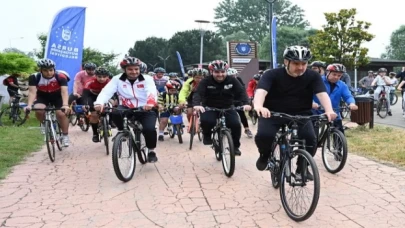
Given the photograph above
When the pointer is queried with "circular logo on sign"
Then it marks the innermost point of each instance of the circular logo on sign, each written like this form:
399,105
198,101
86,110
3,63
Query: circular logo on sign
243,48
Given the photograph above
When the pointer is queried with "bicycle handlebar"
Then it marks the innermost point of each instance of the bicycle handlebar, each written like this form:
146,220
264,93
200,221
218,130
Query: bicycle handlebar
321,117
223,109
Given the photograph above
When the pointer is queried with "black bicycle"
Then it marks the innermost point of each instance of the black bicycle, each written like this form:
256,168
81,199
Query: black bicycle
135,142
104,128
13,114
253,114
285,149
222,142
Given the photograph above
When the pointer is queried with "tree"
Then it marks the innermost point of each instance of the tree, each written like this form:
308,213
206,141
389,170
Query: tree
251,17
187,43
286,36
341,39
237,36
396,49
11,63
149,49
13,50
42,38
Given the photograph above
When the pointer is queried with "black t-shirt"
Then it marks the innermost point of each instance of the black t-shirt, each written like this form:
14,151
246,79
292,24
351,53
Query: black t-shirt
14,80
288,94
401,77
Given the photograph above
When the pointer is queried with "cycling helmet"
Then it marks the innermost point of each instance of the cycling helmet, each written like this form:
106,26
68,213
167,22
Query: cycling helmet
144,67
232,71
172,74
199,72
152,73
130,61
160,70
90,66
392,74
190,72
218,65
382,70
297,53
318,64
257,77
172,84
46,63
336,67
102,71
260,71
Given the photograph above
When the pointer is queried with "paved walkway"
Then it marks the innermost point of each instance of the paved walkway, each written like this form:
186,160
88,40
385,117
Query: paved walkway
188,189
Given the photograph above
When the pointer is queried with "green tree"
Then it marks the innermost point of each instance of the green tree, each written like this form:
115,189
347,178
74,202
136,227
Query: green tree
13,50
341,39
237,36
11,63
286,36
396,49
251,16
42,38
187,43
149,50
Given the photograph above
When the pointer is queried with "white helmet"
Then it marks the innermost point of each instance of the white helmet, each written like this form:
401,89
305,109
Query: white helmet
232,71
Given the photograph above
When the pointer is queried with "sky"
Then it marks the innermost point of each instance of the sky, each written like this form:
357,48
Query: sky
116,25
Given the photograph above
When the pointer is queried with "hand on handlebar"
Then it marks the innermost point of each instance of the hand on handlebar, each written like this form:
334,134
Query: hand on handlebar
263,112
199,109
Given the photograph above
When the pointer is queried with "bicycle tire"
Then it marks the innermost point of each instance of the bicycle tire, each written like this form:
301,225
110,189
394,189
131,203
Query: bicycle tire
344,152
86,123
254,118
216,145
395,99
276,176
179,133
3,113
116,154
170,128
58,135
317,187
142,157
23,120
48,140
106,135
73,119
382,102
229,171
192,132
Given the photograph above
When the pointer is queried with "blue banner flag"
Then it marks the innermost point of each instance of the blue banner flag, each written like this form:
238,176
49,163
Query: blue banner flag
65,41
181,64
273,41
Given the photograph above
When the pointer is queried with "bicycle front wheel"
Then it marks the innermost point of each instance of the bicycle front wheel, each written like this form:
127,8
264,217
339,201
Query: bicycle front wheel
192,132
334,150
382,108
298,179
50,140
140,141
58,135
227,153
106,134
394,99
179,133
126,170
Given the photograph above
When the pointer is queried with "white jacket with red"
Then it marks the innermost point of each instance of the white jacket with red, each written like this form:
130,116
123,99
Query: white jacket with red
142,92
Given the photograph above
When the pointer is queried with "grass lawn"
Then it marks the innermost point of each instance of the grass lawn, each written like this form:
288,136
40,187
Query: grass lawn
381,143
18,142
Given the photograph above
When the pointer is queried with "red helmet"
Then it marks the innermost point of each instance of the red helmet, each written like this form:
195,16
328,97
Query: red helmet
336,67
171,84
218,65
130,61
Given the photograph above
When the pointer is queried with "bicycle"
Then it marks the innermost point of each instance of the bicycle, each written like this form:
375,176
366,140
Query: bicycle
53,132
382,104
82,117
104,128
253,114
72,115
393,97
175,125
13,113
280,165
135,141
344,109
194,128
220,133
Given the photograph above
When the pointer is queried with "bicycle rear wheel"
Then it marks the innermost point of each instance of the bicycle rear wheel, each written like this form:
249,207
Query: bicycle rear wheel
106,135
50,140
336,146
192,132
296,181
179,132
382,108
117,153
85,123
140,141
58,134
394,99
227,153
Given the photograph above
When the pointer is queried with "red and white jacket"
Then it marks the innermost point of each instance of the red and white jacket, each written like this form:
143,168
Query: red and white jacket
142,92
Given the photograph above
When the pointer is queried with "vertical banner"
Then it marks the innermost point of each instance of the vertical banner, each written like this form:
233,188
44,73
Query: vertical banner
65,41
273,41
181,64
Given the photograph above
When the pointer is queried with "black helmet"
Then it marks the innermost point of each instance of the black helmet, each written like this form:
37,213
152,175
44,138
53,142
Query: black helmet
102,71
90,66
297,53
257,77
318,64
382,70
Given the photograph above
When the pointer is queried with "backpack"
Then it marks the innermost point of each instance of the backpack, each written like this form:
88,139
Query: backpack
38,77
5,81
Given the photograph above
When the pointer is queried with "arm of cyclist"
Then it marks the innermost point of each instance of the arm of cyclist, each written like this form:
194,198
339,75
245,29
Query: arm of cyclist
241,94
375,80
106,93
349,99
32,92
262,90
185,91
399,87
199,94
152,97
251,88
161,101
76,84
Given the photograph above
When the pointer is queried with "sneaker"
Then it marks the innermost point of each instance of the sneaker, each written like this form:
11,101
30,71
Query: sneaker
389,113
152,157
96,138
207,141
261,163
65,141
161,138
238,152
248,133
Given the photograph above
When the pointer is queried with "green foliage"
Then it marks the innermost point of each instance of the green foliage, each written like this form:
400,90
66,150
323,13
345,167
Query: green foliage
396,49
16,63
341,39
149,49
251,16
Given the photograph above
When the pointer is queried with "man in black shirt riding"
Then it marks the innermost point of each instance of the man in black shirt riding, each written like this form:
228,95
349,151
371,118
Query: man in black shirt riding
289,90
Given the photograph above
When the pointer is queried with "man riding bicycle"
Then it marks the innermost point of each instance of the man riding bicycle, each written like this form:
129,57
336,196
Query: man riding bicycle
134,90
289,90
49,88
160,79
91,90
168,101
80,79
220,91
383,83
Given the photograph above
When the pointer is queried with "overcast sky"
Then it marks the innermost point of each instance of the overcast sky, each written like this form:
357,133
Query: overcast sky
116,25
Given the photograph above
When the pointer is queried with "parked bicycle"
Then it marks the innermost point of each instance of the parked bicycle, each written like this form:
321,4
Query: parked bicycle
13,114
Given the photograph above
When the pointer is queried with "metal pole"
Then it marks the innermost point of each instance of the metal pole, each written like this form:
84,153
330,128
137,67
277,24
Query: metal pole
202,32
270,31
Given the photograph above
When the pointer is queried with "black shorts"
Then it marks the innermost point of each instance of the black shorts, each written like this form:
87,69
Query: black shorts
89,100
73,98
57,102
190,100
12,92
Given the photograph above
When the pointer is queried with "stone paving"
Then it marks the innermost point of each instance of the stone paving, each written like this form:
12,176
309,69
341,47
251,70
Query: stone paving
188,189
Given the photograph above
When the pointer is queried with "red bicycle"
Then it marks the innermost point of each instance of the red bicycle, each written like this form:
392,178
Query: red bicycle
194,128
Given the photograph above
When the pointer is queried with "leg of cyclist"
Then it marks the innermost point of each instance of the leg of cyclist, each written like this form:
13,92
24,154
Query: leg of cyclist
148,120
94,122
387,92
164,119
376,94
208,120
306,132
233,122
245,123
63,121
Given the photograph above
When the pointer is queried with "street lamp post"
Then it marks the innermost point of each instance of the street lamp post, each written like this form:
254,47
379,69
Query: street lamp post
16,38
271,2
201,24
356,59
164,60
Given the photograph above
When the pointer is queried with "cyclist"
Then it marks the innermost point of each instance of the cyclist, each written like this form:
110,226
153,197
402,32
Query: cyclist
167,101
319,67
173,76
80,79
220,91
383,82
394,83
365,82
289,90
134,90
160,79
90,92
189,88
337,90
12,85
234,73
49,87
252,86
